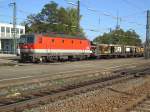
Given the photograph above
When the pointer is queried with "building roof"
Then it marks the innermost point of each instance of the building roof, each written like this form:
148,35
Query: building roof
11,25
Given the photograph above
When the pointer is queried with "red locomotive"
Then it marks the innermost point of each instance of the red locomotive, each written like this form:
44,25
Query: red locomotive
39,47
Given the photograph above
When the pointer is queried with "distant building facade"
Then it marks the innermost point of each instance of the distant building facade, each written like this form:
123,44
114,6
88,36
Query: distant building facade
6,36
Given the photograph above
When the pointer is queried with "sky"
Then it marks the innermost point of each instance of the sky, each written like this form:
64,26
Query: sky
97,15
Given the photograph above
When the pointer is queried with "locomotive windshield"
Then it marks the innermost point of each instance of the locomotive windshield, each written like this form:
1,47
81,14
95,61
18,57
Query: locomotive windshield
27,39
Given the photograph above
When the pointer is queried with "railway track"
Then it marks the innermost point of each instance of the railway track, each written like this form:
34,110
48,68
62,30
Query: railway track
32,79
54,81
46,96
18,84
142,106
41,96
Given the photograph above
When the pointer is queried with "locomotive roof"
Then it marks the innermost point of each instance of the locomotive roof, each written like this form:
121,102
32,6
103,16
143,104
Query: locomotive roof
61,36
64,36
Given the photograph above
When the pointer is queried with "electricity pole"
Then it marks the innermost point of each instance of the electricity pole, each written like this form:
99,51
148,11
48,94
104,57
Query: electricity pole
118,19
78,17
14,26
147,43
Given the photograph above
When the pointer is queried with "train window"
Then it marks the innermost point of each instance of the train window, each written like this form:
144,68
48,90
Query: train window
72,41
53,40
40,40
63,41
27,39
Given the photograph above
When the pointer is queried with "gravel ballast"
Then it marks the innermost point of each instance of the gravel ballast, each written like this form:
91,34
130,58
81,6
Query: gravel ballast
108,99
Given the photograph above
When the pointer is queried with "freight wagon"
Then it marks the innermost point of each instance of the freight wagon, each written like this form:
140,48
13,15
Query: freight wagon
116,51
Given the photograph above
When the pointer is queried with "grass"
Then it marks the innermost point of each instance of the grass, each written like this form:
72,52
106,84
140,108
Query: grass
7,64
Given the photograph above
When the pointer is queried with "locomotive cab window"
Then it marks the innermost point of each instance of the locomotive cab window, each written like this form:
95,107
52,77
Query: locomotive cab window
40,40
53,40
72,41
27,39
63,41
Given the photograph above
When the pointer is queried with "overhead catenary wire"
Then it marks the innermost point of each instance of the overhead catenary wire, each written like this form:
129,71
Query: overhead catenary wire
132,4
24,12
29,19
92,10
89,9
89,29
112,16
133,15
109,15
98,11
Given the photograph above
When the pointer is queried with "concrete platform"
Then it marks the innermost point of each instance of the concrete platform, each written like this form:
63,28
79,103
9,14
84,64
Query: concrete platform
7,55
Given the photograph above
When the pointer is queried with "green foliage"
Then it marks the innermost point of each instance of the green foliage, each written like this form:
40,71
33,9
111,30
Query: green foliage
53,19
119,37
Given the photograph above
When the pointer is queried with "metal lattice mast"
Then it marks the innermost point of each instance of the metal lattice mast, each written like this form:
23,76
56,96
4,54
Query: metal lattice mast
117,26
78,24
147,43
14,26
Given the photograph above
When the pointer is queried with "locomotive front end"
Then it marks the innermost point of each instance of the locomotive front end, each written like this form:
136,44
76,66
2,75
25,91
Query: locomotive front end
26,46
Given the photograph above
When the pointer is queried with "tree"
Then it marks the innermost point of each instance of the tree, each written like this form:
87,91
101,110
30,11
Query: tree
53,19
119,37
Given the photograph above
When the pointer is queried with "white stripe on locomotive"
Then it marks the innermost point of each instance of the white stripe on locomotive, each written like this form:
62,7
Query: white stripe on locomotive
54,51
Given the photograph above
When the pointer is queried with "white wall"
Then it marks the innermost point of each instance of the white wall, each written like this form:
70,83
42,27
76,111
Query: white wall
11,26
7,38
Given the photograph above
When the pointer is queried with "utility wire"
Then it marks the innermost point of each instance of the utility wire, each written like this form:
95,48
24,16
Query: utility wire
132,4
88,29
99,12
135,14
110,15
90,9
25,12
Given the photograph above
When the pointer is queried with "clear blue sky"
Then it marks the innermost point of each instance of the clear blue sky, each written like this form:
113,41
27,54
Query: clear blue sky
132,12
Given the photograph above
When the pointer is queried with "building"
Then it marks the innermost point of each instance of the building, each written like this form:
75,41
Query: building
6,36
